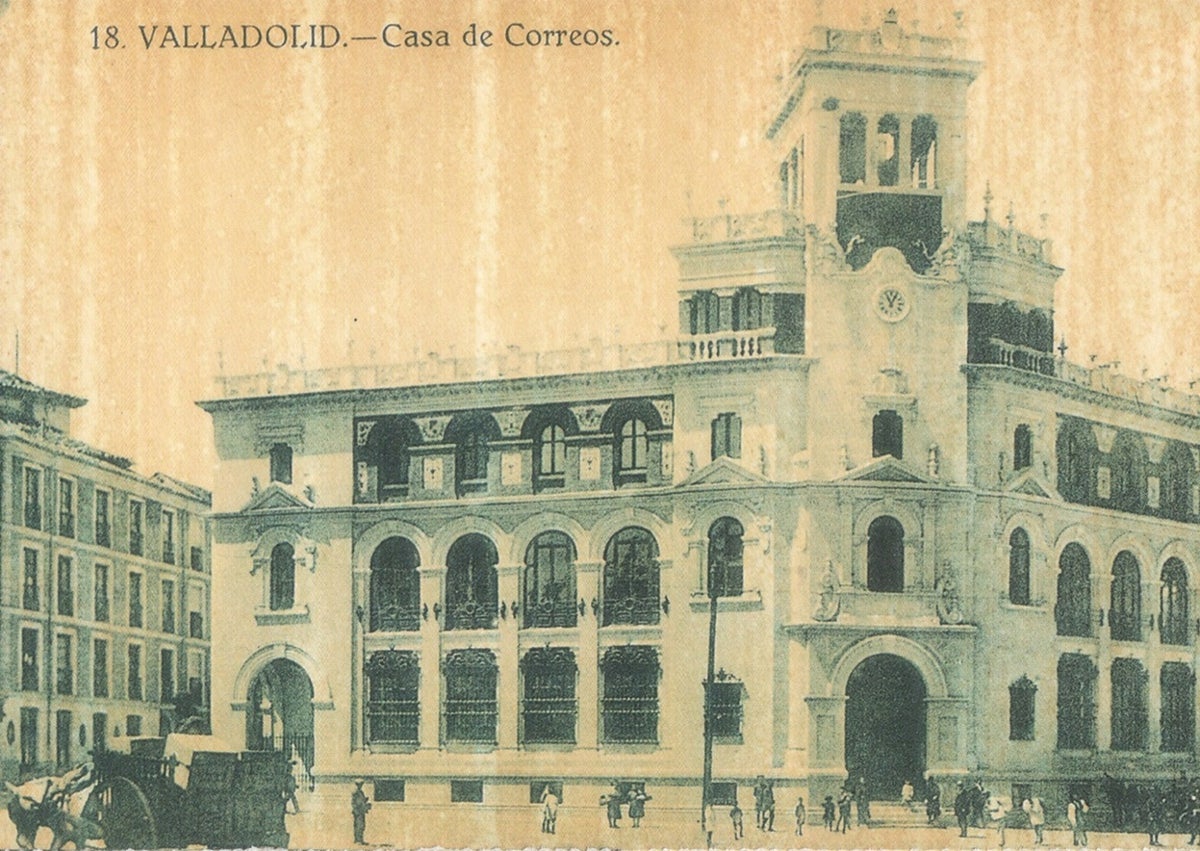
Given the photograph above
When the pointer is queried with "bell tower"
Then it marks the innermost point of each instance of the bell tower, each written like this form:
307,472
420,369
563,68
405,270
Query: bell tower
871,132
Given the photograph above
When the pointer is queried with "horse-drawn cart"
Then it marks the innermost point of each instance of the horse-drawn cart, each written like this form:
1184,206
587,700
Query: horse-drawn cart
197,794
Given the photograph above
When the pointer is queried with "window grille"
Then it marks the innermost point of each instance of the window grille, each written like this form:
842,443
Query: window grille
1018,568
725,553
472,590
1076,702
1021,702
630,694
550,581
549,707
395,587
1073,608
1125,610
393,706
470,706
725,697
631,578
1178,685
283,578
1130,730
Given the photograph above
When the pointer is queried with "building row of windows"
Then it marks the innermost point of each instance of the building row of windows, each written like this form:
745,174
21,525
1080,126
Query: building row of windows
61,663
1077,676
67,736
1123,477
1073,612
66,603
549,705
139,515
882,161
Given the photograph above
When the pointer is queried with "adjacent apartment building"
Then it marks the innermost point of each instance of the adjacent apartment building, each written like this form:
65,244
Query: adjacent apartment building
936,544
104,587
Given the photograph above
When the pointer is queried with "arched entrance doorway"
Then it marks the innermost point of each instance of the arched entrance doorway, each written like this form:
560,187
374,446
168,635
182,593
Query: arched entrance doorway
280,712
885,725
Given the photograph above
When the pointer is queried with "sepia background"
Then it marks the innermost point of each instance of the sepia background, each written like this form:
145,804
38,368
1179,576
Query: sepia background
168,214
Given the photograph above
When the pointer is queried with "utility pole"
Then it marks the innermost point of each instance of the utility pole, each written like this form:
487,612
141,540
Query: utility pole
706,782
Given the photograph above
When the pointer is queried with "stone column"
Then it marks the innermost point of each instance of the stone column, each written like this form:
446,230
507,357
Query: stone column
508,692
432,579
587,579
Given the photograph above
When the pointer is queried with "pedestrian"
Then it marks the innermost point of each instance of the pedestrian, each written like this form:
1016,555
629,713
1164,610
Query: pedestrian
978,803
612,805
997,815
637,807
760,784
360,805
906,794
862,803
828,812
844,810
710,820
549,810
962,807
933,800
1036,811
735,816
1077,809
801,816
1156,810
769,806
289,790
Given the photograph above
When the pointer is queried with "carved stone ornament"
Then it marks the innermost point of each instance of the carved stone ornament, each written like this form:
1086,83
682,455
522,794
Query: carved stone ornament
666,410
511,421
828,254
951,255
363,432
433,429
934,459
949,605
828,604
588,416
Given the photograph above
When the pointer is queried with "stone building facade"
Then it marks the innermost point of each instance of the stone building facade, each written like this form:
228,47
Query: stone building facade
936,544
104,591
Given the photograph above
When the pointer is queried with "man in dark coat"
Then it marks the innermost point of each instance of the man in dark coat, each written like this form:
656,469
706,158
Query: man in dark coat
962,807
359,807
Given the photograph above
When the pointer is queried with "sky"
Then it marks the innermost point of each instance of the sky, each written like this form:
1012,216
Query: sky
168,213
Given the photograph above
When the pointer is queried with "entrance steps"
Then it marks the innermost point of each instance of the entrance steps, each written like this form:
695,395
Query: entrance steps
895,814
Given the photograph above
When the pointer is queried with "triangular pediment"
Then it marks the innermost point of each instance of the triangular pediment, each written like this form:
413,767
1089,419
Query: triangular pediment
722,471
887,469
276,496
1030,483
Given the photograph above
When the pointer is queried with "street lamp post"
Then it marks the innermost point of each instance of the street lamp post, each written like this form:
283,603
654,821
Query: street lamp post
706,782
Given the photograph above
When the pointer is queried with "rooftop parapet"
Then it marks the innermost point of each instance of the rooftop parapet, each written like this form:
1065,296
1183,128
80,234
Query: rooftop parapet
765,224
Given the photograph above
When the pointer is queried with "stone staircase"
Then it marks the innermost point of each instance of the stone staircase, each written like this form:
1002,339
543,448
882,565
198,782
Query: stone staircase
895,814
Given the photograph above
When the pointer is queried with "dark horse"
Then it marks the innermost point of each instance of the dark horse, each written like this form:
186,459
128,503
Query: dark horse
59,803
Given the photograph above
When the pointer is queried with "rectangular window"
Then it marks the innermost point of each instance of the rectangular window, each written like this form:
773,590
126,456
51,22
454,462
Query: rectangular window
466,791
33,498
137,515
135,599
548,707
1021,701
29,738
629,702
393,707
887,435
66,508
1130,730
29,659
470,708
727,436
65,586
103,525
726,709
538,790
168,536
723,794
166,674
64,665
100,593
1178,708
168,606
134,672
198,559
62,737
195,625
389,790
99,732
31,596
195,674
99,668
133,725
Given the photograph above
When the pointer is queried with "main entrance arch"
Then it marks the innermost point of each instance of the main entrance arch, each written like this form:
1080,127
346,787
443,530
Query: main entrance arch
885,724
279,713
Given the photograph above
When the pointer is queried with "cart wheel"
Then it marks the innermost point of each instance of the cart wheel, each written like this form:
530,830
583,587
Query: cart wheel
125,815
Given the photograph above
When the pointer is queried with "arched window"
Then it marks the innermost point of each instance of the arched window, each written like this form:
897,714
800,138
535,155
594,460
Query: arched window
471,434
283,578
1125,608
395,587
1128,472
887,158
705,312
550,581
631,578
852,149
472,594
887,435
1076,450
631,451
1176,487
924,152
1073,608
1018,567
885,555
1173,611
725,558
281,463
1076,702
1130,715
1022,447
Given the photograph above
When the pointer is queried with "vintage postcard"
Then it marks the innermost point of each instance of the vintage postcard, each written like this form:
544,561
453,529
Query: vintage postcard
599,424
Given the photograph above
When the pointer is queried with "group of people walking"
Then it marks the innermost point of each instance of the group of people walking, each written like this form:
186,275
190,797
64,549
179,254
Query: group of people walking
635,798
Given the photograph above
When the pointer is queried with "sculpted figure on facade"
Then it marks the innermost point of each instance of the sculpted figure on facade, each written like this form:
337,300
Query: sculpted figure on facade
948,603
829,603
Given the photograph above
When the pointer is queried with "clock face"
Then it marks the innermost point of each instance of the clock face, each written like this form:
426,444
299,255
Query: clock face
891,304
